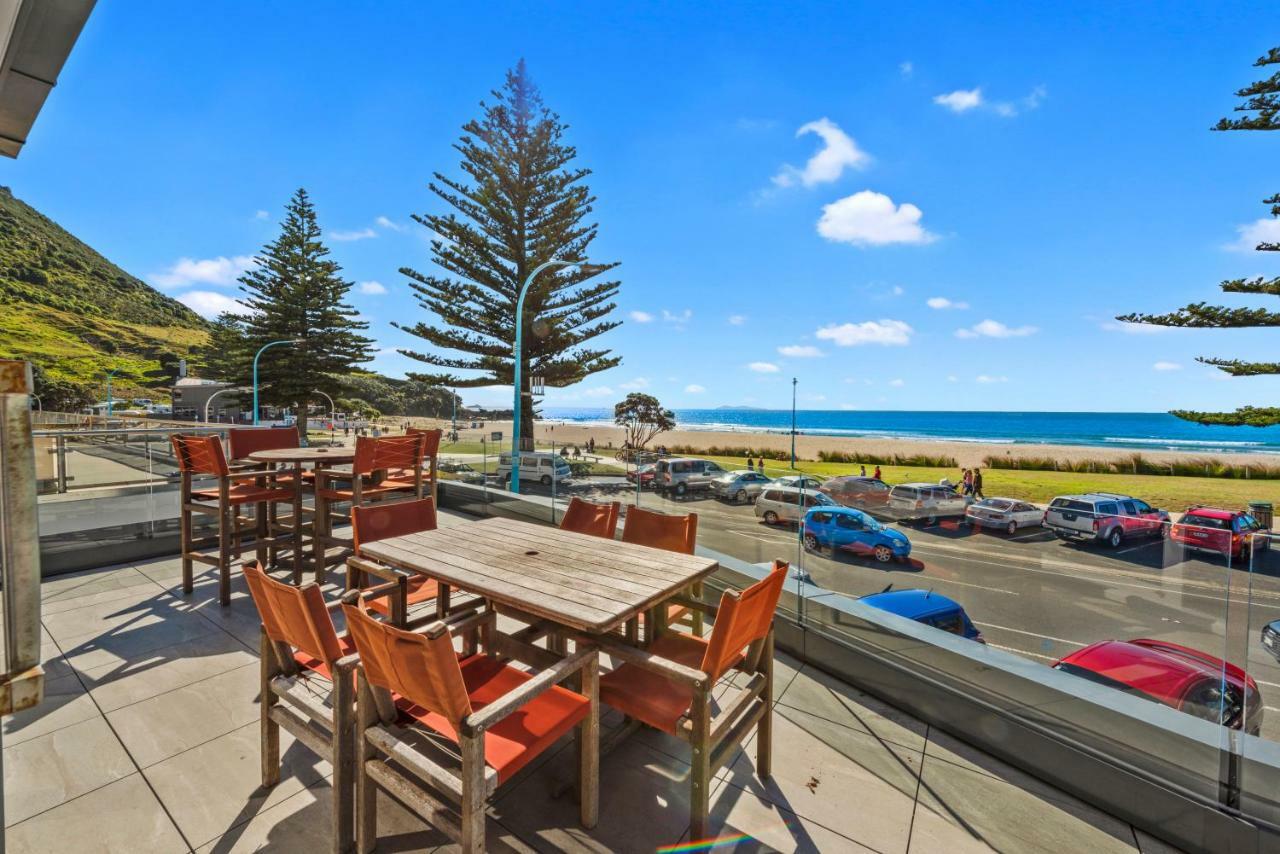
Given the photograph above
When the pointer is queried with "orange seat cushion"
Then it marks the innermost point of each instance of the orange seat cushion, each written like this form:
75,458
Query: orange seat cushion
511,743
246,493
421,589
365,491
315,665
651,697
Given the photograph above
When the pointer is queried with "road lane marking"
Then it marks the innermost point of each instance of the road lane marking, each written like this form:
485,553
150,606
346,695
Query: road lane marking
1139,546
971,584
1017,651
1032,634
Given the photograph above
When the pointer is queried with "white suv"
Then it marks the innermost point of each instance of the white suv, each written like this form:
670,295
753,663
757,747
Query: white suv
926,501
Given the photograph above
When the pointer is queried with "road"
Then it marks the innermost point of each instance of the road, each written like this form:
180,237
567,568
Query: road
1036,596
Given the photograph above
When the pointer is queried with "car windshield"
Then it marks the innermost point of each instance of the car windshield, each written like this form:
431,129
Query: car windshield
872,524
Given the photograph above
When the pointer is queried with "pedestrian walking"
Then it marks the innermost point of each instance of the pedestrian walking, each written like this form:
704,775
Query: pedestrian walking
977,484
751,466
876,475
967,480
863,472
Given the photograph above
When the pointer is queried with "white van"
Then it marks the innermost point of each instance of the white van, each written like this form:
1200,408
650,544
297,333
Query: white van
540,466
788,504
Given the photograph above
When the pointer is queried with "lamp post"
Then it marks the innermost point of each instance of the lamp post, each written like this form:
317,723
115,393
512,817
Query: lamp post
255,371
333,412
110,374
793,422
519,389
210,400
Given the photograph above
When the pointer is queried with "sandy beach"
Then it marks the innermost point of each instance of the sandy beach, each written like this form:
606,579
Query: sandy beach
807,447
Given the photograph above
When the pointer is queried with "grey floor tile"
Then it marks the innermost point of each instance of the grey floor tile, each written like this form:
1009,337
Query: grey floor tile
52,769
149,606
122,816
75,584
92,591
742,821
165,725
128,643
819,694
65,703
165,669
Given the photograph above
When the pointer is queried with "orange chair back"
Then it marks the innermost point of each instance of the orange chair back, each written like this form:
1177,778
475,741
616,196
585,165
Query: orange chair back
244,441
587,517
422,668
381,521
673,533
294,615
743,619
387,452
200,454
432,446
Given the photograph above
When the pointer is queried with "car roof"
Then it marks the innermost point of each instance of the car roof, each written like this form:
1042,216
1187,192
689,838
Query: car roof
1212,513
926,485
782,487
1157,667
912,603
1097,496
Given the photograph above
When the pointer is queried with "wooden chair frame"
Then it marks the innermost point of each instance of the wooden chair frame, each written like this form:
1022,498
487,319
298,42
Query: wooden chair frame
450,800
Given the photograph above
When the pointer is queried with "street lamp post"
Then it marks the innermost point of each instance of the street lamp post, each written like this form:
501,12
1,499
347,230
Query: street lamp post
255,371
519,389
333,412
793,422
209,400
110,374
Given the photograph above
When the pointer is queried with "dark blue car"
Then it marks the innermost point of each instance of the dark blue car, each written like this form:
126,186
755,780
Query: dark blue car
925,606
847,529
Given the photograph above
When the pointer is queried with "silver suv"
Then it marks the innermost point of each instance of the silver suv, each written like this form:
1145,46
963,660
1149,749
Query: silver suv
926,501
1104,517
681,475
739,486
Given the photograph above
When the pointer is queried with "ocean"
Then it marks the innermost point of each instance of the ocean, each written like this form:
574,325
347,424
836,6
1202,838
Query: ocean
1136,430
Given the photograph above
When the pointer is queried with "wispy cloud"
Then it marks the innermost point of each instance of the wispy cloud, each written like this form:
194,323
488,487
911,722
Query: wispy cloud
799,351
1133,328
389,224
986,379
839,152
641,317
349,236
897,383
677,320
964,100
1265,230
694,388
995,329
961,100
221,271
906,69
210,303
737,319
261,215
763,367
635,384
1166,366
888,333
868,218
372,288
942,304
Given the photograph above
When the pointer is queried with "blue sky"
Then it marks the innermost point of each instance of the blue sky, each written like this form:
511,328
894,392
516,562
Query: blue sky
787,186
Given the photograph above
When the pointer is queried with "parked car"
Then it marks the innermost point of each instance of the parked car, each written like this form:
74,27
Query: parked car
1229,533
1104,517
788,504
1005,514
800,481
1271,638
739,486
645,474
1178,676
462,472
927,502
851,530
925,606
867,493
681,475
540,466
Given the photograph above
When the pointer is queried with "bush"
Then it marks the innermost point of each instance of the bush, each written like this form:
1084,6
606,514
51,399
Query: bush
1138,464
940,461
730,451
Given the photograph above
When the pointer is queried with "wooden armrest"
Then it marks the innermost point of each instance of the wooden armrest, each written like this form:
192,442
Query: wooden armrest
335,473
467,620
346,664
478,722
377,570
673,670
686,602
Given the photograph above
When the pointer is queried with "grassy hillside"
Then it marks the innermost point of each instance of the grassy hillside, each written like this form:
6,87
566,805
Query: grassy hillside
75,314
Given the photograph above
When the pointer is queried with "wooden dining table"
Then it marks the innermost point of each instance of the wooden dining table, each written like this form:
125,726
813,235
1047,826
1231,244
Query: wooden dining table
297,458
586,584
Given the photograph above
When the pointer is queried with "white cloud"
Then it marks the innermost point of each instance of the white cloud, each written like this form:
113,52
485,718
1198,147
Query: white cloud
889,333
635,384
678,319
1133,328
800,351
960,100
897,383
1166,366
210,303
1032,101
641,317
220,271
694,388
868,218
1265,230
261,215
952,378
897,290
598,391
388,223
906,69
737,319
763,367
349,236
985,379
995,329
839,151
942,303
373,288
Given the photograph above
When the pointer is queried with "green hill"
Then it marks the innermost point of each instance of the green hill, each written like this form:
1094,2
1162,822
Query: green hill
76,315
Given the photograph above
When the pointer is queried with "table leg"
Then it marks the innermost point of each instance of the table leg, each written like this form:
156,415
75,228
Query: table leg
297,524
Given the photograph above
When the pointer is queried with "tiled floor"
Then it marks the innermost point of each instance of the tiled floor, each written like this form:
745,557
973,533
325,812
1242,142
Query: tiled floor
148,741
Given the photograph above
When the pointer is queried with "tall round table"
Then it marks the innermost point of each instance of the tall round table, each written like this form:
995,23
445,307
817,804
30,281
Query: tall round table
297,458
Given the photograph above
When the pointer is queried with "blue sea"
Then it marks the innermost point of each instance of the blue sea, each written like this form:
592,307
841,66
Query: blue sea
1136,430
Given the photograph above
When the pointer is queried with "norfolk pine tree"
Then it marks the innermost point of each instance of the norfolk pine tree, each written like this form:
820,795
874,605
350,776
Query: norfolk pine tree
523,203
1262,112
294,291
224,357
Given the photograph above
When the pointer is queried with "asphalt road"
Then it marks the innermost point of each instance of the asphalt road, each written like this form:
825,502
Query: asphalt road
1036,596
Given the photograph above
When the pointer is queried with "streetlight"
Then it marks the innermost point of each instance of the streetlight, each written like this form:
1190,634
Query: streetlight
519,391
333,412
255,371
110,374
793,422
210,400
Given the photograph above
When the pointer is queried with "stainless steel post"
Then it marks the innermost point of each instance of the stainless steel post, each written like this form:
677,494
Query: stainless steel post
60,444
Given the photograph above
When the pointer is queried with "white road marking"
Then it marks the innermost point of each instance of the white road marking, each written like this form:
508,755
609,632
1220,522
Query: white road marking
1021,651
971,584
1135,548
1032,634
1025,537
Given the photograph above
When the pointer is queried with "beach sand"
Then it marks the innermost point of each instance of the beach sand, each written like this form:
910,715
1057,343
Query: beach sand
967,454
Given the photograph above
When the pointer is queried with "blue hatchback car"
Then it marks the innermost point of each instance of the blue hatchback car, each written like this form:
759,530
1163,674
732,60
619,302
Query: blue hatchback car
925,606
847,529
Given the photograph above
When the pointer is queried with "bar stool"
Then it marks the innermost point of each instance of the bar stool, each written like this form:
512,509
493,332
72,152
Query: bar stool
203,455
243,441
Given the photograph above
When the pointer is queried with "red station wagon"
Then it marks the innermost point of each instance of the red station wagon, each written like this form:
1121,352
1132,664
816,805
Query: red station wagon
1177,676
867,493
1225,532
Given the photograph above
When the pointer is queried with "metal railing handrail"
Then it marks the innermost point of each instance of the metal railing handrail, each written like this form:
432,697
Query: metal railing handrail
117,431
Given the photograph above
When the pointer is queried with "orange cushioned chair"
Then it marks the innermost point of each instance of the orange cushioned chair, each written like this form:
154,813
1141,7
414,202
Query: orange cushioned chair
493,718
587,517
673,534
430,454
366,483
668,686
203,455
380,522
303,658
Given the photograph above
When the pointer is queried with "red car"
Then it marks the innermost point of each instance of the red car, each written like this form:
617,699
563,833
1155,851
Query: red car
644,474
1177,676
867,493
1229,533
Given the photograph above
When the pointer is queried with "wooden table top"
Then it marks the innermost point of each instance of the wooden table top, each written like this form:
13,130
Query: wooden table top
583,582
304,455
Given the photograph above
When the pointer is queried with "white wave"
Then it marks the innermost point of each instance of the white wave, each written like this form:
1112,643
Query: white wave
1211,443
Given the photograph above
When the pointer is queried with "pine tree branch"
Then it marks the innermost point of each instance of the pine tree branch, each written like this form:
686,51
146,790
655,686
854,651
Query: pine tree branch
1204,316
1238,368
1246,416
1258,285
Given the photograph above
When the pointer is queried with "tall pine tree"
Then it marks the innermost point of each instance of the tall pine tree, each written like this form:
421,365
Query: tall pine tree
1261,109
524,204
224,357
294,291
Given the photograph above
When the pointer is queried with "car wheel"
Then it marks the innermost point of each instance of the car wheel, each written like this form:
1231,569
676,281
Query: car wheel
770,518
1115,538
811,542
681,489
884,554
545,480
1012,528
740,497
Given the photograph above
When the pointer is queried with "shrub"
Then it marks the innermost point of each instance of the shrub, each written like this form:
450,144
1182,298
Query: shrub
918,460
1138,464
